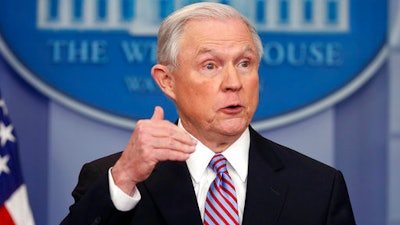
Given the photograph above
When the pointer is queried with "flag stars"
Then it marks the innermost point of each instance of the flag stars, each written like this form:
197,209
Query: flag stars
6,134
3,164
3,107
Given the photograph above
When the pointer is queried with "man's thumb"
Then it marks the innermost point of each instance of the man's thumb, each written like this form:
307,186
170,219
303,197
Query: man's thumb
158,113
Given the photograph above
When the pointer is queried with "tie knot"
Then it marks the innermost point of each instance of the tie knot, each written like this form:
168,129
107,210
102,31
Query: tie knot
218,163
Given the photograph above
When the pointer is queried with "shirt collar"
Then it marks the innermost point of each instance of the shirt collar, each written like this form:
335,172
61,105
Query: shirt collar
237,155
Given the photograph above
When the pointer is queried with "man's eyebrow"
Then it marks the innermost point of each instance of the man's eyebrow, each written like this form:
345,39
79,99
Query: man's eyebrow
205,50
247,48
250,48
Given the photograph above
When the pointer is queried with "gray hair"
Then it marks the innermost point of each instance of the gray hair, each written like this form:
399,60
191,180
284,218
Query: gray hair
172,27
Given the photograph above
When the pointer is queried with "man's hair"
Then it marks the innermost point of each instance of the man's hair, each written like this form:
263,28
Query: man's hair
171,29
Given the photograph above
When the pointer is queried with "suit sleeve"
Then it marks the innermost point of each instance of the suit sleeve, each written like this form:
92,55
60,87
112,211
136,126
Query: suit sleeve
340,210
93,204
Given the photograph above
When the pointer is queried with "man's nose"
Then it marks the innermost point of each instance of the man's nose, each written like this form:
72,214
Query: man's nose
231,79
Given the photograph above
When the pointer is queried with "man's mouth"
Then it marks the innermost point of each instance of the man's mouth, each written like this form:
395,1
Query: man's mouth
232,109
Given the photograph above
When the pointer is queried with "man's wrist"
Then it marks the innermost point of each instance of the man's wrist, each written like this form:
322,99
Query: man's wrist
121,200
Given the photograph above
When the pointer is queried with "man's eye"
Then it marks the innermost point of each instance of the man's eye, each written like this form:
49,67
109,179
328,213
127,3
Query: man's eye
244,64
210,66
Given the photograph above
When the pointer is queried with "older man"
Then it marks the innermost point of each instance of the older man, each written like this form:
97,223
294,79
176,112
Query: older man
211,167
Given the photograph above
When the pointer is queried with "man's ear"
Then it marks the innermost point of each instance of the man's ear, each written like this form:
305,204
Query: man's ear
165,80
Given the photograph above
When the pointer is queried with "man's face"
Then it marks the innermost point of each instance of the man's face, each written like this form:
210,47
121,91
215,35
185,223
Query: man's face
215,85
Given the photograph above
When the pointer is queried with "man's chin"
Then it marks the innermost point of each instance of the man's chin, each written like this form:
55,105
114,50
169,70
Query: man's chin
234,127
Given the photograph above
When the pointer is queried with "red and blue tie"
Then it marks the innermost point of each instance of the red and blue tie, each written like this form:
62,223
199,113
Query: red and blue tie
221,203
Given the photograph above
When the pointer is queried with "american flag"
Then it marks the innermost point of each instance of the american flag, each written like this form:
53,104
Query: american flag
14,204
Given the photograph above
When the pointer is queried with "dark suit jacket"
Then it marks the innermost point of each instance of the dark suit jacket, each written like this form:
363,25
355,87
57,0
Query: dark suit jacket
283,187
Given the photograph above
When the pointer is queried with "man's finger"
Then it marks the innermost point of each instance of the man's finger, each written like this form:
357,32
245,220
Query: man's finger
158,113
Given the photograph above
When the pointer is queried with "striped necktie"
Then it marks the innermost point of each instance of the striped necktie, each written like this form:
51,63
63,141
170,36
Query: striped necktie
221,203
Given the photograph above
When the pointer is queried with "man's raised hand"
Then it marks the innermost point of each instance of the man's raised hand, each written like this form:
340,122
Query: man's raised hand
153,140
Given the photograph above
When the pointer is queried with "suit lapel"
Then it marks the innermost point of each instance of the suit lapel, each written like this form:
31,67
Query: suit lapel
266,187
172,190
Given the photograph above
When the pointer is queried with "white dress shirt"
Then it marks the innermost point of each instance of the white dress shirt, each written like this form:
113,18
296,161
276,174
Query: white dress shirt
202,176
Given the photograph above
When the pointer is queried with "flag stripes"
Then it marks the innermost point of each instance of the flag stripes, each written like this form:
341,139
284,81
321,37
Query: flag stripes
14,204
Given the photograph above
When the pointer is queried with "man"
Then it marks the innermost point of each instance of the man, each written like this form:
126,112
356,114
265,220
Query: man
208,59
